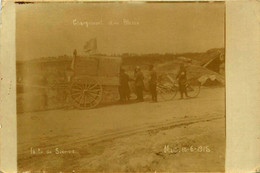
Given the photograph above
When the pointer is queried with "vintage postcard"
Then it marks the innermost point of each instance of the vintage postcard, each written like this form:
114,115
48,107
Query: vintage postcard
120,87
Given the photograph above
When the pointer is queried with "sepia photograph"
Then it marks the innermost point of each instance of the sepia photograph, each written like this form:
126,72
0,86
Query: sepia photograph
120,86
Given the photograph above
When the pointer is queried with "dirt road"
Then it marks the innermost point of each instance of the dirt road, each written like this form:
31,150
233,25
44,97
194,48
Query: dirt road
177,135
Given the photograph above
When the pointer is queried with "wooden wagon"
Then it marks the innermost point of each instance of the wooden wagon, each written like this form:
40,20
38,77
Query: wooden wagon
88,78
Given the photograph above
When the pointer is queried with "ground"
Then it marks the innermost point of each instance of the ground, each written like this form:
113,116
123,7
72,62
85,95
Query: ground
177,135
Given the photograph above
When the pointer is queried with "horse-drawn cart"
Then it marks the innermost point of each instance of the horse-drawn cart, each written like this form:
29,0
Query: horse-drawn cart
89,77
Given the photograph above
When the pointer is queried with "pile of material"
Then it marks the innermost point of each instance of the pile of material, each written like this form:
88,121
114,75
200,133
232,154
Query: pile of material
211,80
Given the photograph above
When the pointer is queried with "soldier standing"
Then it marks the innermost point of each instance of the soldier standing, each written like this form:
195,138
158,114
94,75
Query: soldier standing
153,83
124,89
182,80
139,83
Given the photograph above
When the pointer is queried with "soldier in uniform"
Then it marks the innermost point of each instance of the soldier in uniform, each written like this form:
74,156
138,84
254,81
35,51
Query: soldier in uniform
139,83
182,80
124,89
153,83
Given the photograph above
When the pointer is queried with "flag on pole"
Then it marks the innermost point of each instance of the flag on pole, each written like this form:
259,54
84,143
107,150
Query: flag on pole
91,46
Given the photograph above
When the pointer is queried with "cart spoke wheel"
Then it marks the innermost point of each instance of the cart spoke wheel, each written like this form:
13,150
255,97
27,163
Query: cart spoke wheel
193,91
193,88
86,93
166,91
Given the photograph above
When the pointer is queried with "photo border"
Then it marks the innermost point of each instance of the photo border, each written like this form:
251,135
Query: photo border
242,85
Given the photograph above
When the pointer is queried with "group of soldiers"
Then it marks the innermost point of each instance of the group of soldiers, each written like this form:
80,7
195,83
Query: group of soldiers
124,88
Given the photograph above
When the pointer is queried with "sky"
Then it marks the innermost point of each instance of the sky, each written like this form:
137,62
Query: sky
56,29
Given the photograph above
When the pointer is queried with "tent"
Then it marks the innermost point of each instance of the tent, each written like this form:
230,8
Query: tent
216,64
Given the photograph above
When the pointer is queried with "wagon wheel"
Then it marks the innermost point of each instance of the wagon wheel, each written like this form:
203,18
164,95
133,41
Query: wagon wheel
193,88
167,91
86,93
